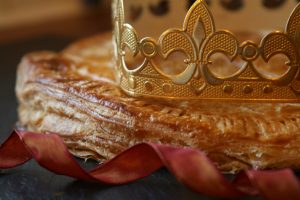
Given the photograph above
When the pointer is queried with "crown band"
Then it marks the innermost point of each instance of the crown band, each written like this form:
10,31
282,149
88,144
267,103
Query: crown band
198,81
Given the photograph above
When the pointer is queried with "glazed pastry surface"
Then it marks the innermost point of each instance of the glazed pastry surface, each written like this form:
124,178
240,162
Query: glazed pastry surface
73,93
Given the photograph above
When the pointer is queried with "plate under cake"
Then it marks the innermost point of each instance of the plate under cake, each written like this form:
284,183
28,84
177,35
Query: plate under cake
73,93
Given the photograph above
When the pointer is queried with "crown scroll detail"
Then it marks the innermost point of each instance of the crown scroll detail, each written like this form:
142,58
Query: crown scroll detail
199,41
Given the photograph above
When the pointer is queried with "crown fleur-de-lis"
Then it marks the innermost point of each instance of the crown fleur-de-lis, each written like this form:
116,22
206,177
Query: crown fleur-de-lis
200,41
198,25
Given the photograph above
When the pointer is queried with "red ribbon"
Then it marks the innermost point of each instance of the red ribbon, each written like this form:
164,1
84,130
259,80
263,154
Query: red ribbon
190,166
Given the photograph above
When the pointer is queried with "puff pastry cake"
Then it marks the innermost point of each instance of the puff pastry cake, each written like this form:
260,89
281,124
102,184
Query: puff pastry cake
73,93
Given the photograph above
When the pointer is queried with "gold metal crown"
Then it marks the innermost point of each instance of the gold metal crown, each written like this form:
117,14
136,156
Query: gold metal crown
199,41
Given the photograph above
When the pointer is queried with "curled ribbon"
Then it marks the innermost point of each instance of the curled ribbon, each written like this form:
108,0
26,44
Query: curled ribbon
190,166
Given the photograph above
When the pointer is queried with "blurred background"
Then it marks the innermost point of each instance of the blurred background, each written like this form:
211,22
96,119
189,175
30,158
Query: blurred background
23,19
34,25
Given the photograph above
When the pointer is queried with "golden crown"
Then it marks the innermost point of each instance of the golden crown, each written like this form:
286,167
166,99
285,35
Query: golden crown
200,42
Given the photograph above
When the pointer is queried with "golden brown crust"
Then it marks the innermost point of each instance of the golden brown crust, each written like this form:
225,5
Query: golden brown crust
73,93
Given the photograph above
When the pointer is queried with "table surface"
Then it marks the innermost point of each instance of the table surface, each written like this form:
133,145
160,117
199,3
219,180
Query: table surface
30,181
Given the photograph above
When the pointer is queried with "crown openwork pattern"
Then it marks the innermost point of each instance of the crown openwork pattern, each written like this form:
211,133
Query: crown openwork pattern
197,81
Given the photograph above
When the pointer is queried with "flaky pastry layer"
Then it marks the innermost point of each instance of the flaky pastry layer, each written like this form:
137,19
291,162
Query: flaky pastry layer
73,93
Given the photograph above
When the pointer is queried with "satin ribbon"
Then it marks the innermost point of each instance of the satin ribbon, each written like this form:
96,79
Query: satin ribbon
190,166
